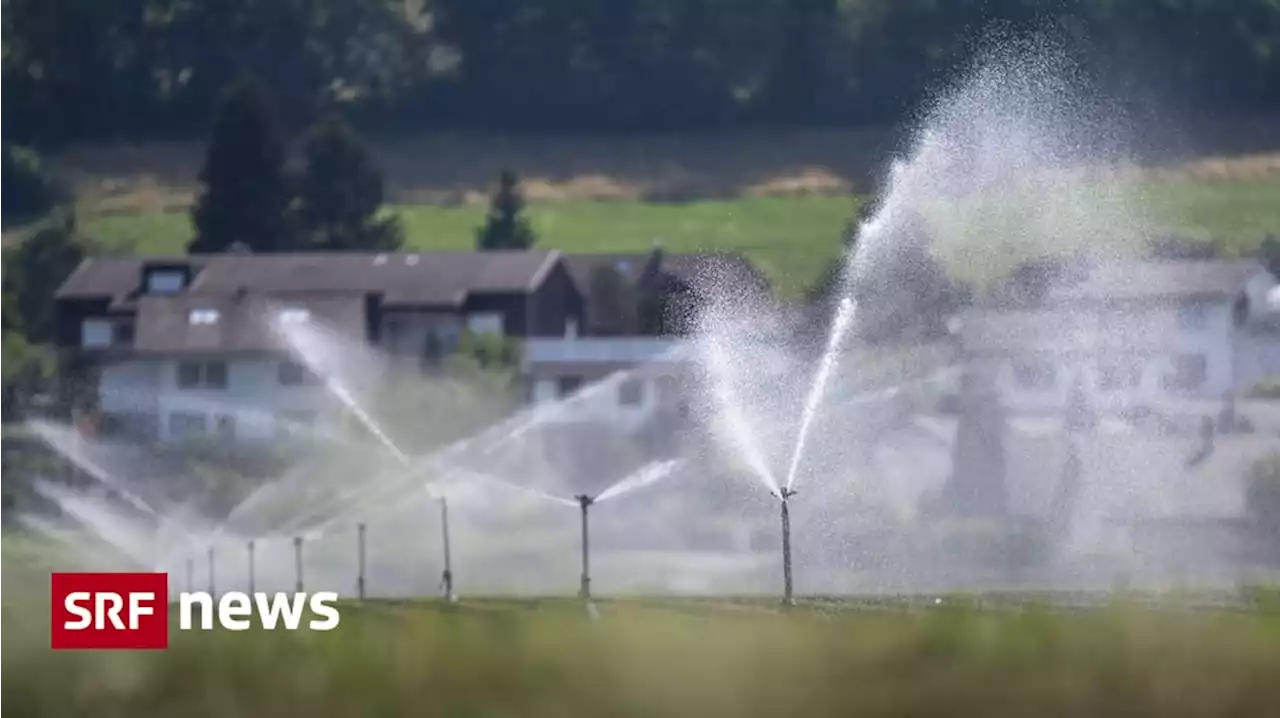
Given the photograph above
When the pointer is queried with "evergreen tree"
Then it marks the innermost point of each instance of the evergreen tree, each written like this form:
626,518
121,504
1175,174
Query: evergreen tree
340,193
35,269
505,227
246,195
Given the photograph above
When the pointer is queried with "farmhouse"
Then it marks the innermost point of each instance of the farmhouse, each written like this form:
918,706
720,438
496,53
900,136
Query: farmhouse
1131,335
185,347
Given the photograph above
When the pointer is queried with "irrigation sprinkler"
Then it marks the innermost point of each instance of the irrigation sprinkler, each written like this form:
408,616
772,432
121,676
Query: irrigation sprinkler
360,556
787,599
584,592
251,567
212,586
297,562
446,576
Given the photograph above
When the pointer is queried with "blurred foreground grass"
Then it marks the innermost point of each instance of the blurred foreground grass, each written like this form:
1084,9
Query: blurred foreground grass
546,658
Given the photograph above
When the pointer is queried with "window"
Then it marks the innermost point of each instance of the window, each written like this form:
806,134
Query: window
206,375
1189,373
203,317
567,385
122,332
294,374
96,333
1119,374
226,427
164,281
1192,315
294,422
186,425
1035,375
485,323
630,392
137,426
294,315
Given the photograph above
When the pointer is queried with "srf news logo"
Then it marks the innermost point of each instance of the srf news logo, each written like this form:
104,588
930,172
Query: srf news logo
131,611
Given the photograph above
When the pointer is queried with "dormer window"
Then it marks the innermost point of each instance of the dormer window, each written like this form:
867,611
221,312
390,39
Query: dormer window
165,281
205,317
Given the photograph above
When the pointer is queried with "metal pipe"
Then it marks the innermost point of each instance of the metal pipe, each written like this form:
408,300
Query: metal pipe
297,562
251,567
212,586
360,557
786,547
446,576
584,591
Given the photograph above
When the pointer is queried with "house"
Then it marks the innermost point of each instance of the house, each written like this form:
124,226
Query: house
185,346
655,362
1130,335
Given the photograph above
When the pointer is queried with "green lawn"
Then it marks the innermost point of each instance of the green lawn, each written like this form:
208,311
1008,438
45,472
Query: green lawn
790,238
649,659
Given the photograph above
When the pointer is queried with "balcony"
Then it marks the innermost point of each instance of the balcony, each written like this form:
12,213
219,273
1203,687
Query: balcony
604,350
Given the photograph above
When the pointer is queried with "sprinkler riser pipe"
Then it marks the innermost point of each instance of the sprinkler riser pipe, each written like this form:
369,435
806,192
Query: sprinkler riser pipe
446,576
251,569
360,559
786,547
297,562
584,590
212,585
191,575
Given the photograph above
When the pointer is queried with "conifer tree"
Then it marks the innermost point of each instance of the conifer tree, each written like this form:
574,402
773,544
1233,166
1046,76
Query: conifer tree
245,196
340,193
505,226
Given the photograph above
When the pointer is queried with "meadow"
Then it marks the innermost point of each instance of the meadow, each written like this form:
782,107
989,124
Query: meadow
790,237
654,658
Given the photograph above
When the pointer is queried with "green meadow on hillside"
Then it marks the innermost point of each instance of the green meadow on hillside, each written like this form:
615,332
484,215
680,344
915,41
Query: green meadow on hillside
791,238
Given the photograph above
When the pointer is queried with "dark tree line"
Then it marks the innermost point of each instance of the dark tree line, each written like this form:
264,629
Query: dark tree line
77,69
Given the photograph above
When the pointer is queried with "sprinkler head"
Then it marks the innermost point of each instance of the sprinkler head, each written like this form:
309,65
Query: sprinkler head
585,500
787,493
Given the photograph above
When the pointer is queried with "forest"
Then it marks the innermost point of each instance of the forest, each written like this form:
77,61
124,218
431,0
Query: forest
83,70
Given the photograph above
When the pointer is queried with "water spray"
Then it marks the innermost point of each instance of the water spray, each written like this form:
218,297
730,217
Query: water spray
360,559
584,592
297,562
446,576
786,494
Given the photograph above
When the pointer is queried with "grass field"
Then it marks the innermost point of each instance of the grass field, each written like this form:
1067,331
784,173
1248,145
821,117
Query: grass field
655,659
791,238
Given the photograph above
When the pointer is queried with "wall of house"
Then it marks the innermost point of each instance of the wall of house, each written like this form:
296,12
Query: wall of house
252,406
1152,341
554,303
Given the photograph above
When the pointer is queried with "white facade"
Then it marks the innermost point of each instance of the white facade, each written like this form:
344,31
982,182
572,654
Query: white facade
1121,355
228,398
630,378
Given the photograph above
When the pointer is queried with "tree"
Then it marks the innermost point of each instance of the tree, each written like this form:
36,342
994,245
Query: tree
28,190
246,194
36,268
614,303
340,193
505,226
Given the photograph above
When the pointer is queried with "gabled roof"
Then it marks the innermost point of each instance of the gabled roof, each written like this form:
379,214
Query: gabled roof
657,268
431,279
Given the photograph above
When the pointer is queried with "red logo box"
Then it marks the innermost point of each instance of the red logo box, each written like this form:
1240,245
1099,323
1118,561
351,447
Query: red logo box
110,611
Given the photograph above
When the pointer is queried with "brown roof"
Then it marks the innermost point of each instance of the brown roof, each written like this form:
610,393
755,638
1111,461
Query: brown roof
436,278
698,271
243,321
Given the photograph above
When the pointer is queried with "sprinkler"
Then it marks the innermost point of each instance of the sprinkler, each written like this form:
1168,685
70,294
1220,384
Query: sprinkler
360,554
584,592
786,494
297,562
446,576
212,586
251,572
